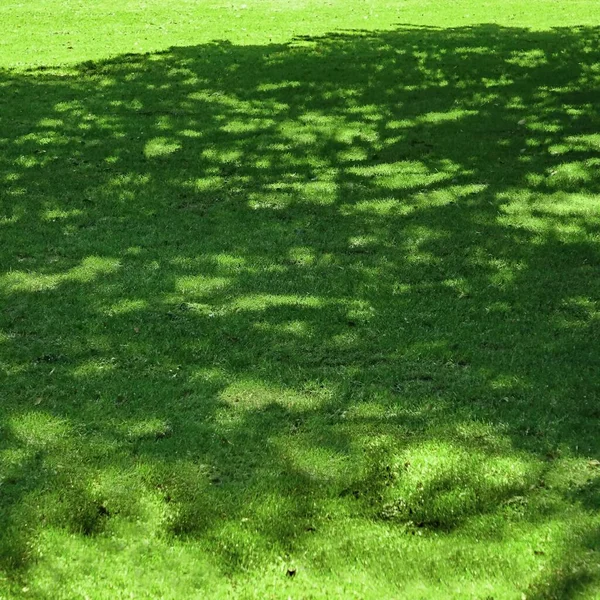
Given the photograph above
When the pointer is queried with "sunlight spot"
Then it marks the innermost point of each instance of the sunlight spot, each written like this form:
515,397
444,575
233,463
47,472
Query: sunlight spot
506,382
127,306
459,284
302,255
360,310
252,395
93,266
346,340
190,133
39,429
26,162
50,122
296,328
383,206
93,368
451,194
318,192
222,157
6,220
316,461
129,179
547,213
585,143
358,242
399,124
209,183
499,307
577,312
209,375
150,429
164,123
404,174
299,134
441,117
528,58
506,273
253,125
57,213
160,146
264,301
354,154
230,262
10,177
88,270
200,285
272,201
282,85
444,482
575,173
74,105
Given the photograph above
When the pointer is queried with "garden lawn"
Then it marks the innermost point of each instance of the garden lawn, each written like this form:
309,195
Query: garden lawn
300,299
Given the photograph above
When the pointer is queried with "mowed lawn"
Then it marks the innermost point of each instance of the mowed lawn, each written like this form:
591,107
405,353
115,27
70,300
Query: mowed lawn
300,299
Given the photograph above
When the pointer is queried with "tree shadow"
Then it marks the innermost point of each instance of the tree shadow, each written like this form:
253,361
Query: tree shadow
229,264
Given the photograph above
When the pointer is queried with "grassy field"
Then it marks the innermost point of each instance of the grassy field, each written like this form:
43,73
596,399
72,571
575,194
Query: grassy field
300,299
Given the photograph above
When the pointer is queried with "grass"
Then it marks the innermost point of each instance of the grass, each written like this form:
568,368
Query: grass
300,300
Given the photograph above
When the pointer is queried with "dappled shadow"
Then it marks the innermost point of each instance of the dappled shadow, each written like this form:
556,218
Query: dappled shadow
290,271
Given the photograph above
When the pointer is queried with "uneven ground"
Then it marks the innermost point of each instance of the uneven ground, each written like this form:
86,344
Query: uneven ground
300,300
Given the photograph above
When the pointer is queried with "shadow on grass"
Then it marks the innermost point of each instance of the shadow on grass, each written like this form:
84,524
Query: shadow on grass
356,272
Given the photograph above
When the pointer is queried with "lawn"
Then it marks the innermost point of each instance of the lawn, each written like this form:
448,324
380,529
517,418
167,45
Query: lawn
300,299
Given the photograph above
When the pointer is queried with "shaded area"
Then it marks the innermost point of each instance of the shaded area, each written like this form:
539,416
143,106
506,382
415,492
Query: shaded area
349,277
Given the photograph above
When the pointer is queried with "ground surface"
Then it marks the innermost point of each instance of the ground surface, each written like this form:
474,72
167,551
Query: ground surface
299,299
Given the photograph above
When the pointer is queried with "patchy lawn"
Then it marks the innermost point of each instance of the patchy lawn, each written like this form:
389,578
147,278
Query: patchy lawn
300,300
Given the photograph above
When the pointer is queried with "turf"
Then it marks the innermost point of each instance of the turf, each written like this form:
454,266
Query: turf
300,300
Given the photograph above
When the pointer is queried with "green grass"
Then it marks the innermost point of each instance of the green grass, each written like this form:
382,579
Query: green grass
300,300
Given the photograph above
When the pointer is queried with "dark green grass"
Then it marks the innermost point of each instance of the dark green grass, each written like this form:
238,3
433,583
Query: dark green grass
316,319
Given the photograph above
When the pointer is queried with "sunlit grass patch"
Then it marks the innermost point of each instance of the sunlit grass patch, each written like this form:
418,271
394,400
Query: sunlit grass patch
160,146
439,485
90,268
